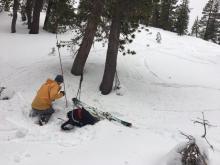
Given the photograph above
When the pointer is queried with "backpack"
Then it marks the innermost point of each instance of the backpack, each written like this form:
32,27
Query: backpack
78,117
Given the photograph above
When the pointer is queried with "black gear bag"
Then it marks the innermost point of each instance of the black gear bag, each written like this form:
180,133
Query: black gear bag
78,117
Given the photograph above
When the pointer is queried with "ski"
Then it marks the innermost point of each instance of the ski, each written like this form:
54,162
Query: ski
100,114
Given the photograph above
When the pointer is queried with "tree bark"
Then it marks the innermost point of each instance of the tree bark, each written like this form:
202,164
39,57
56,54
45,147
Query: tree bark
36,17
82,55
23,15
208,21
48,14
14,19
29,8
112,52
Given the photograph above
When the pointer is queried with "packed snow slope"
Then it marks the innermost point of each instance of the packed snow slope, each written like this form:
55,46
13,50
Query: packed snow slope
164,87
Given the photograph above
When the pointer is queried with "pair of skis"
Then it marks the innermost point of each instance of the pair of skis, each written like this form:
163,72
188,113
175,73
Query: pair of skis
100,114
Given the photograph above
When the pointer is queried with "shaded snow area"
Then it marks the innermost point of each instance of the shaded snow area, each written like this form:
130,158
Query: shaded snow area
164,87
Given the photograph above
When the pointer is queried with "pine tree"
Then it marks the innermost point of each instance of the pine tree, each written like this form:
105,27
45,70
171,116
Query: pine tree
210,30
155,16
6,4
29,10
14,19
94,12
209,23
117,23
36,17
182,21
60,14
112,52
217,39
214,23
195,28
167,16
23,13
125,18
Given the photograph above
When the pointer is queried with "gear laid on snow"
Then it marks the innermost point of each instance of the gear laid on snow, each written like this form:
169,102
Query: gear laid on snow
42,103
78,117
99,114
85,114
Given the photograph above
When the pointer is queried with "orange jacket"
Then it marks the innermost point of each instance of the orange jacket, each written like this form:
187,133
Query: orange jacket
47,93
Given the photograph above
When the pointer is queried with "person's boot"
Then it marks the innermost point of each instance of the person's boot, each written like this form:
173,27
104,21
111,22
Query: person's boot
44,119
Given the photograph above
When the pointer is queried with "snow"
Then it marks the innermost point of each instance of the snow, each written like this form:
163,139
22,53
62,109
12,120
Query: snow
164,86
196,7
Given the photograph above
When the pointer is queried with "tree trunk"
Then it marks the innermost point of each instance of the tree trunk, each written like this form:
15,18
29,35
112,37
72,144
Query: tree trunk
112,52
208,21
197,21
29,8
23,15
82,55
14,19
36,17
50,4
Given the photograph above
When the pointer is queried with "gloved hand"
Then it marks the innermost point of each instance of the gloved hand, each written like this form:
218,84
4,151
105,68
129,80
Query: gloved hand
63,93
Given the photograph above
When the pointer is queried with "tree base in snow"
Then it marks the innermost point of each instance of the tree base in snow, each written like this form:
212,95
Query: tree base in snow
105,90
193,152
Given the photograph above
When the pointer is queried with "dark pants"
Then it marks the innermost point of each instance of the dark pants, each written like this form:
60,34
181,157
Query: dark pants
43,114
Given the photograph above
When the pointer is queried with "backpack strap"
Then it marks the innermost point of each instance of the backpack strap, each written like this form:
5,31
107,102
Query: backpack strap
65,127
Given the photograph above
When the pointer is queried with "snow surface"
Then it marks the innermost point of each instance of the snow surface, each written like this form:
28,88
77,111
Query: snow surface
164,87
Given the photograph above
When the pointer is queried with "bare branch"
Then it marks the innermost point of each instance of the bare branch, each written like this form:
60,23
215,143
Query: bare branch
204,123
189,137
211,146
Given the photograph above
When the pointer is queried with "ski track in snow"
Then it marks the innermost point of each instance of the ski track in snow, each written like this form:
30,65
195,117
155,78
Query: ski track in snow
174,85
153,73
193,59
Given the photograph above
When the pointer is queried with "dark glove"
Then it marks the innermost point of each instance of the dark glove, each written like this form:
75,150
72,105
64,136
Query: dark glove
63,93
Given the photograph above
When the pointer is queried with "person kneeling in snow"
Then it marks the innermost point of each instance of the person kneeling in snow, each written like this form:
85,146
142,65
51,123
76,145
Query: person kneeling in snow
42,103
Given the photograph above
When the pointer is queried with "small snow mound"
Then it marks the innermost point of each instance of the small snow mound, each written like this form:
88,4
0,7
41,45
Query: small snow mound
174,157
121,90
17,159
26,112
27,155
21,133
